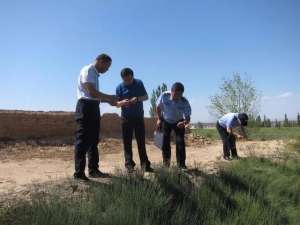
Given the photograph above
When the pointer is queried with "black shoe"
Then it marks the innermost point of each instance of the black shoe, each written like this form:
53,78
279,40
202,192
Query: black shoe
167,163
130,169
82,177
98,174
236,157
183,167
227,158
148,169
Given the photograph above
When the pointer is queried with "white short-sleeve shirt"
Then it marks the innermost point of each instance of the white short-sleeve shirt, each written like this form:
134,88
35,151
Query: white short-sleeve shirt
229,120
88,74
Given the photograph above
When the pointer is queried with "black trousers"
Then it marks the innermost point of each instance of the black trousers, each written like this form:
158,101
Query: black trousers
136,125
229,145
87,117
180,143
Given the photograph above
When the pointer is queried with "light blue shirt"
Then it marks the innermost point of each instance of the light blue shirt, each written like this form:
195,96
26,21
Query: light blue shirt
173,111
88,74
229,120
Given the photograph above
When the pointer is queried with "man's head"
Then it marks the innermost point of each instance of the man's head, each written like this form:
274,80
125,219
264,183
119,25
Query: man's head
127,76
177,91
103,63
243,117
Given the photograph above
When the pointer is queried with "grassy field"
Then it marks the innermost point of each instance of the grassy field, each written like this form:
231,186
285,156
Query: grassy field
262,133
250,191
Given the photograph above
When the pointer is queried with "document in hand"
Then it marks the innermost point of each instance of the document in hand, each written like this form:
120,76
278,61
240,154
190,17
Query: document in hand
158,139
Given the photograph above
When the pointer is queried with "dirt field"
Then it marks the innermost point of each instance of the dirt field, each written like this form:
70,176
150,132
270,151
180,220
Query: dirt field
25,165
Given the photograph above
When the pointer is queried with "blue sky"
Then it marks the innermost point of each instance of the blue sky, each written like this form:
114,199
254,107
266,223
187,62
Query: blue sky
44,44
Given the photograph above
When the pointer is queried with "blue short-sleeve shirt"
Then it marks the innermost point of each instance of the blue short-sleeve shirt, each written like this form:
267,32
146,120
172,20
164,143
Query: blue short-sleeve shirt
136,89
173,111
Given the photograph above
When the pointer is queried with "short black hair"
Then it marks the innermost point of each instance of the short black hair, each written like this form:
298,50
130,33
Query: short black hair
104,57
127,72
243,117
178,87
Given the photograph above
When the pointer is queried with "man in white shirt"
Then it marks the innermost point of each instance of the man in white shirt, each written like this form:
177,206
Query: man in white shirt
87,117
225,127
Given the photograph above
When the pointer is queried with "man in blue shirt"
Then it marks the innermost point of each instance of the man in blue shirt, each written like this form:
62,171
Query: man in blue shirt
174,113
225,127
131,93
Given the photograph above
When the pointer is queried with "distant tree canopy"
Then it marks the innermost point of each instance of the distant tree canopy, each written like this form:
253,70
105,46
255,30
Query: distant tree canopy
266,122
286,122
236,95
154,96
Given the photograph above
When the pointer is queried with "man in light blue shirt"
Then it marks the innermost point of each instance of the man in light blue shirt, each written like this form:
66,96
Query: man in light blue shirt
174,113
225,127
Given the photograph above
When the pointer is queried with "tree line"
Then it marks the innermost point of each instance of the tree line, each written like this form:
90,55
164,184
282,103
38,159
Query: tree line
236,94
266,122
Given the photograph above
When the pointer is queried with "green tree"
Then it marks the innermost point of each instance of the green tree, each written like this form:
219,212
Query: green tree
236,95
154,96
298,119
258,121
277,123
286,121
252,121
268,123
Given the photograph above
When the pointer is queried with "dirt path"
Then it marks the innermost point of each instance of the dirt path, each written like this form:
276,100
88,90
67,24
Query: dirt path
22,168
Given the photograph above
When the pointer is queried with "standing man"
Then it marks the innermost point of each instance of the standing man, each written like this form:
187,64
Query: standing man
225,126
87,117
131,93
174,113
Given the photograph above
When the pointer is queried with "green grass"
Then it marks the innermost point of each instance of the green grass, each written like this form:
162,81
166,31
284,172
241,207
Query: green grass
262,133
254,191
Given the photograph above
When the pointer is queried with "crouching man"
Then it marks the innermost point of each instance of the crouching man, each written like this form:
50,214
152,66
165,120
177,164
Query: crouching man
174,114
131,93
225,127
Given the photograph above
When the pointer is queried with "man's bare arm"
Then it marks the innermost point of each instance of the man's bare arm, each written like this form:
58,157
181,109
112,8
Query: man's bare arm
159,112
187,120
231,132
143,98
159,119
244,134
134,100
99,95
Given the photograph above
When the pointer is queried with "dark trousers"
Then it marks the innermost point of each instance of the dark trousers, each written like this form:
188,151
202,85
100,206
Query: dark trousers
136,125
87,117
180,143
229,145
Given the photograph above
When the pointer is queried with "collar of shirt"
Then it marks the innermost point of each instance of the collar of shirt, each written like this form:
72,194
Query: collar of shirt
130,85
96,70
175,100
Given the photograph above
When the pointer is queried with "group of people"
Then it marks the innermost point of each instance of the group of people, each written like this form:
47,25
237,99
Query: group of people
173,110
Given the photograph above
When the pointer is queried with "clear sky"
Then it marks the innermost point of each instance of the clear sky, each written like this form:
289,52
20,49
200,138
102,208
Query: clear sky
44,44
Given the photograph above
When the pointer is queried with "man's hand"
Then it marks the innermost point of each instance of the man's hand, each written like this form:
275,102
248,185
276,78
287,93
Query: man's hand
181,125
158,124
112,100
113,103
133,100
239,136
123,103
